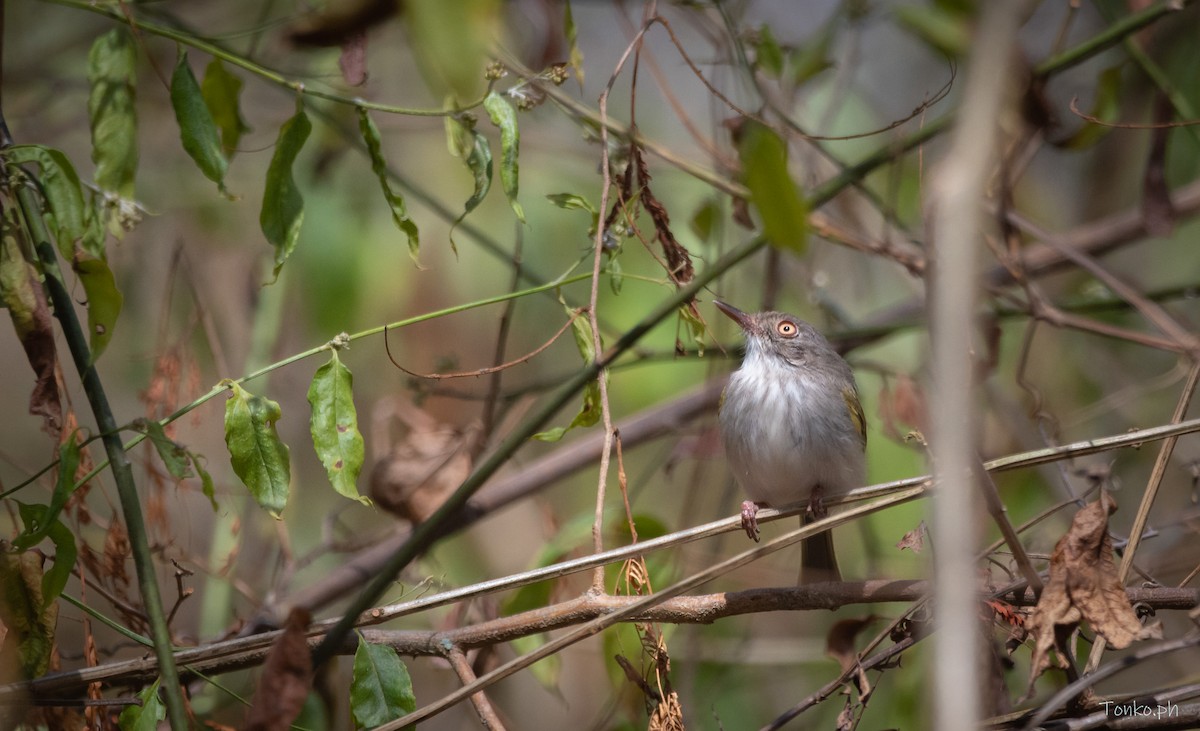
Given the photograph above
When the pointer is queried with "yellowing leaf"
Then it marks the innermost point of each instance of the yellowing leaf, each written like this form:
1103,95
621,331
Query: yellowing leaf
221,90
111,111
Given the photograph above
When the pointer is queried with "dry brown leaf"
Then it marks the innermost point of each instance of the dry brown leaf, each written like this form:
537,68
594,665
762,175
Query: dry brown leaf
914,540
116,552
1083,585
839,645
668,715
428,463
901,404
286,678
353,59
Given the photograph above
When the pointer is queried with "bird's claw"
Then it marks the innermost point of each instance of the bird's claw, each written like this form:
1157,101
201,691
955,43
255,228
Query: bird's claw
750,519
816,504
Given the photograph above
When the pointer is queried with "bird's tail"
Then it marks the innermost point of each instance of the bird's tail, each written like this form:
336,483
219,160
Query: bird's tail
817,559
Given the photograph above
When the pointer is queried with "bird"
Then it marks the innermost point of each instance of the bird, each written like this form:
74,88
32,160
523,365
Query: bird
793,426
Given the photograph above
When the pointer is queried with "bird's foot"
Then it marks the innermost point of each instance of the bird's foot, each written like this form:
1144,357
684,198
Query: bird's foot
816,504
750,519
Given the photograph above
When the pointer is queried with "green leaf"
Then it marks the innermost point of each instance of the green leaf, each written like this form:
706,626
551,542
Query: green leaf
572,202
589,411
706,219
505,117
400,216
65,553
175,458
574,534
574,55
381,689
198,129
768,56
112,113
104,301
221,90
588,415
40,522
146,716
206,480
334,427
283,206
945,29
783,210
63,193
260,460
479,162
546,671
812,57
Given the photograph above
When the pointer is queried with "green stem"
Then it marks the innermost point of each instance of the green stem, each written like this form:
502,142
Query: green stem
1108,38
122,472
217,51
227,384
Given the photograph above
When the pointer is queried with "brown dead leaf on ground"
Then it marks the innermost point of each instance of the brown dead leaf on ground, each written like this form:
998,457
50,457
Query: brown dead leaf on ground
286,678
1083,585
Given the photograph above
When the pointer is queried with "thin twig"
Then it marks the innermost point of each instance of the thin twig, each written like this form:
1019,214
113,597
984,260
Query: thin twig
483,707
480,371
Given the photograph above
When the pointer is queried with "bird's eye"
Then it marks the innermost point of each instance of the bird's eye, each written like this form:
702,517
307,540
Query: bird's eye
787,329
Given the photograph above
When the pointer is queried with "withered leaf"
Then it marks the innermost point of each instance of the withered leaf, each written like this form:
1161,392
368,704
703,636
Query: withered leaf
914,540
839,645
353,60
286,678
427,463
1083,585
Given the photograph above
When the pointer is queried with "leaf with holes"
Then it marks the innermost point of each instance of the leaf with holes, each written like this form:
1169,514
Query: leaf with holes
259,458
334,427
104,301
198,130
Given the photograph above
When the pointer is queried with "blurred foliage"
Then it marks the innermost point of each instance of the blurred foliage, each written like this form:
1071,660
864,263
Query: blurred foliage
334,203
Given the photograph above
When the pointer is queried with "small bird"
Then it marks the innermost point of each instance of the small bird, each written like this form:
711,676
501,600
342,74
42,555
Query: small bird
793,426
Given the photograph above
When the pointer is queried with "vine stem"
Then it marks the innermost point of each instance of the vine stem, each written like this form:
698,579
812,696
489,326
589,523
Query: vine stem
122,471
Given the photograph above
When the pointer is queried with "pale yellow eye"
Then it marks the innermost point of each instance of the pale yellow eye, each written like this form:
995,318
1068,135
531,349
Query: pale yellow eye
787,329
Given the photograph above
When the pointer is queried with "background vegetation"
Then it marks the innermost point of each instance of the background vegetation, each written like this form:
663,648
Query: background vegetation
232,200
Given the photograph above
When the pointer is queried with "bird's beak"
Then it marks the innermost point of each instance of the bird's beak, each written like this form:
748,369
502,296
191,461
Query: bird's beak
741,318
